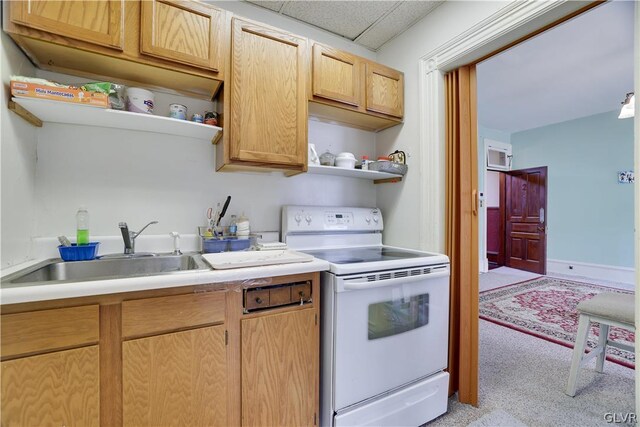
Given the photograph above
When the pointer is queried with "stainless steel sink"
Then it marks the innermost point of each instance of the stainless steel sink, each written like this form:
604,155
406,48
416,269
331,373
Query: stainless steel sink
57,271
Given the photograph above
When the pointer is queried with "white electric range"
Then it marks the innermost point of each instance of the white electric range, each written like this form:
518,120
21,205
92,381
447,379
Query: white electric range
385,319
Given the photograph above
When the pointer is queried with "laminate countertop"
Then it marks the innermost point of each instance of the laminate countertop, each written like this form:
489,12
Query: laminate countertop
58,290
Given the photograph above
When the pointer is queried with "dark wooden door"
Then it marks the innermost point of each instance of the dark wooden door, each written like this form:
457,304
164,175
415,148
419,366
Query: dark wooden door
526,219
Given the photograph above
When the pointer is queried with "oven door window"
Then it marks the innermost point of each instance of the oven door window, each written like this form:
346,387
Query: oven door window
398,316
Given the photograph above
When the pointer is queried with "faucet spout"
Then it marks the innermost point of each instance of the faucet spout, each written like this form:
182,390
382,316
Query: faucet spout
136,234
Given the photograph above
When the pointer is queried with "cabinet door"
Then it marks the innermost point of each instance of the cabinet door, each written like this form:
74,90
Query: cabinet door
95,21
385,90
336,75
280,369
60,388
176,379
268,100
182,31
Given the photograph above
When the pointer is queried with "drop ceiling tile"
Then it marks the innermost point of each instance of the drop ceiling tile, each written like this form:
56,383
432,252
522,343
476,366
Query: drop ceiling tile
396,22
346,18
273,5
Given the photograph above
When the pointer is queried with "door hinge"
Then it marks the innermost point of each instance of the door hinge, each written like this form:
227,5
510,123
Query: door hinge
314,418
316,318
226,337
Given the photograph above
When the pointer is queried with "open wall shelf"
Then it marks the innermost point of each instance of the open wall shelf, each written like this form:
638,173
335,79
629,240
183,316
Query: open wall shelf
36,111
377,177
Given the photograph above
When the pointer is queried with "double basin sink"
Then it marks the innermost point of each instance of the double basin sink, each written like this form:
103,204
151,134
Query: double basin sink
56,270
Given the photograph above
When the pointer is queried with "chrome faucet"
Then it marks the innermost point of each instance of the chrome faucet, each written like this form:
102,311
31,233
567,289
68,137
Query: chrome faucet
129,237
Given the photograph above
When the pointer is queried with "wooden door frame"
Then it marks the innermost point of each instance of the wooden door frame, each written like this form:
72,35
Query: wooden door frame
512,24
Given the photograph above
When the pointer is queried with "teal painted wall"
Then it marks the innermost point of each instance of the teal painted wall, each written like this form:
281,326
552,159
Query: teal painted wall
590,215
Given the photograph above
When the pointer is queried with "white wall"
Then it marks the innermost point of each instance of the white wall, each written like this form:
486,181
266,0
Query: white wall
492,189
399,202
18,167
138,177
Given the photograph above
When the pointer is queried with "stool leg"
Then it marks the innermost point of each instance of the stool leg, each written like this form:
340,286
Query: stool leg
578,352
602,342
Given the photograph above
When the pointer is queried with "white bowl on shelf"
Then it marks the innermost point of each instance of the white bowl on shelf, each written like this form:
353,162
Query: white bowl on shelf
345,160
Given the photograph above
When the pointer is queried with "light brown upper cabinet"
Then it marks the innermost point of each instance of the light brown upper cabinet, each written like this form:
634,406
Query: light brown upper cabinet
268,103
336,75
183,31
385,90
354,91
99,22
173,44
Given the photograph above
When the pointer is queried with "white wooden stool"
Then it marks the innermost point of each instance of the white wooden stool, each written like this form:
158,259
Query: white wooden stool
608,309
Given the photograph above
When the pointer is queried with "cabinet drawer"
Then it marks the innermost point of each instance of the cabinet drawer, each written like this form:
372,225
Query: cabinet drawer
301,291
46,330
256,298
279,296
164,314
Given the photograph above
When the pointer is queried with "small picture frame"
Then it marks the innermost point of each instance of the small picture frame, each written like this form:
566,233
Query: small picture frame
626,177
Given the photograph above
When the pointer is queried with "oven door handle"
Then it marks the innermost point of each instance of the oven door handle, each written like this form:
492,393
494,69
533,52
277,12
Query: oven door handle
362,284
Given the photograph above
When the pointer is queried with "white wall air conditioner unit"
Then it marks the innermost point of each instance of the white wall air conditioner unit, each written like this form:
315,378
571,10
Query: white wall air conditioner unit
499,157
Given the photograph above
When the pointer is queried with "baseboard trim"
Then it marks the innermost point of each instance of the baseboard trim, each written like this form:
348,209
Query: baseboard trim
610,273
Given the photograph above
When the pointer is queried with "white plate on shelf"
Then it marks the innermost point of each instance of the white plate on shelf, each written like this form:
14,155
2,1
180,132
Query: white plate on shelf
226,260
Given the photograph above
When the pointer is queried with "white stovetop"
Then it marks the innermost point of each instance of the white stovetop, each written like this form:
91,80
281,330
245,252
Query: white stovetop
30,293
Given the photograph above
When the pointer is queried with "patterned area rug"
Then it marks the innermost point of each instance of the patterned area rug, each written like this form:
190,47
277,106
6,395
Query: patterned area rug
546,308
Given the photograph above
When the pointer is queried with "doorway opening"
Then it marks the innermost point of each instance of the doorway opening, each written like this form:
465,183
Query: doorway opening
516,219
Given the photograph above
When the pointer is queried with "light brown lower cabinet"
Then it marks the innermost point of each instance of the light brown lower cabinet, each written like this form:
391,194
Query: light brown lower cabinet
176,379
56,389
280,369
188,356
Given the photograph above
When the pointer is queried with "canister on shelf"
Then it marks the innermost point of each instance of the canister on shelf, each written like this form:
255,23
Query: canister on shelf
139,100
197,118
210,118
178,111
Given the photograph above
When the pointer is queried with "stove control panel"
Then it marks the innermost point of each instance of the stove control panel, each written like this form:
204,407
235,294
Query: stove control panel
338,219
308,219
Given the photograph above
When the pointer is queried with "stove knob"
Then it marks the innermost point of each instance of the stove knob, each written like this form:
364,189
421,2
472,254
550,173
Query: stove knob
308,219
298,218
375,219
368,220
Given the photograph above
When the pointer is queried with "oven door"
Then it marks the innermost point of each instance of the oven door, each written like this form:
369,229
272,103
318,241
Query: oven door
391,328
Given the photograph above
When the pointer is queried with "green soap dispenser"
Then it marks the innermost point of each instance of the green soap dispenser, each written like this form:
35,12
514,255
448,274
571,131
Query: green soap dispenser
82,226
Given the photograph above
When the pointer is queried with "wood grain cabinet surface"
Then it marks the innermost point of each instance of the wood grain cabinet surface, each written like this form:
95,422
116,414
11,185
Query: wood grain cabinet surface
280,369
336,75
45,379
268,123
176,379
173,44
183,31
354,91
60,388
204,362
98,21
385,90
